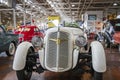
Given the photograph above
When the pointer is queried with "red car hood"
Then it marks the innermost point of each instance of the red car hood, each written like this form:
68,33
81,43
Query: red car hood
116,37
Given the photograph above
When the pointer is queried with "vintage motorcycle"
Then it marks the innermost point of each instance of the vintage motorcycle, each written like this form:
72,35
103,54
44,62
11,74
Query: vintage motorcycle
106,35
61,51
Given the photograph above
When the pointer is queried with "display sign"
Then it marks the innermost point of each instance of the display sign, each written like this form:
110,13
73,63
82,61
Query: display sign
92,17
53,21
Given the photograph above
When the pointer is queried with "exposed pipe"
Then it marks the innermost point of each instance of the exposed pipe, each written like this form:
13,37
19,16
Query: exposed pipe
70,9
24,14
91,1
5,9
82,8
79,7
14,18
0,17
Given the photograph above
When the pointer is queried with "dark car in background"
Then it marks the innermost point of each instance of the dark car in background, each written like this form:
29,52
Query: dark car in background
8,42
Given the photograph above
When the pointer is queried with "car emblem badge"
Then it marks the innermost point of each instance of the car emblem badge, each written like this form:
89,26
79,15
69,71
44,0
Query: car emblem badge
58,41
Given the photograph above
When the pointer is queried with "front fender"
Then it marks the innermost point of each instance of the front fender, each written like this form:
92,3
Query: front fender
98,57
20,55
75,57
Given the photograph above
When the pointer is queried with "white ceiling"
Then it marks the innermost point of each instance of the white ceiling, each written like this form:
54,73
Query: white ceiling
72,9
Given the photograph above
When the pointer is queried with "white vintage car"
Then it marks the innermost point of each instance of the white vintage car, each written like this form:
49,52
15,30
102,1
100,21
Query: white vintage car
64,49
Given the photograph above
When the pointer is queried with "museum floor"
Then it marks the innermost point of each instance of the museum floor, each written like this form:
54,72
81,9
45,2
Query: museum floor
112,73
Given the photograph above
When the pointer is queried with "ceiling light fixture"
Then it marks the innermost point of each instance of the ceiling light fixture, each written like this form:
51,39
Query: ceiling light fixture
28,1
33,6
115,4
73,5
73,13
4,2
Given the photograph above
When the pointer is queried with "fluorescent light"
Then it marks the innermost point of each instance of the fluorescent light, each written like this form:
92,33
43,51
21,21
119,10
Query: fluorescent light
41,11
73,5
52,5
115,4
118,17
28,1
33,6
4,2
73,13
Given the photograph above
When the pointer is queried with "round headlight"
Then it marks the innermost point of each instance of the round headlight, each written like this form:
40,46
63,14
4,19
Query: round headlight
80,41
37,42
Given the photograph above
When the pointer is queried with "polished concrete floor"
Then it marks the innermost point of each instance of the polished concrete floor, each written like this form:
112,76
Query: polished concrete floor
112,73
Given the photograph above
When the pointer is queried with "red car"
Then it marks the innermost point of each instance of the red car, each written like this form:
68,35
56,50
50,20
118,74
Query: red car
26,33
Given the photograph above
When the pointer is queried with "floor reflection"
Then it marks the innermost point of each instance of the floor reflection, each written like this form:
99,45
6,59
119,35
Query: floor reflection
112,73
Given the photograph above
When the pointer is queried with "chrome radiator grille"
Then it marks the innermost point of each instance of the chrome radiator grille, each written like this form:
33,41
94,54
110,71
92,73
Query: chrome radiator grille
58,58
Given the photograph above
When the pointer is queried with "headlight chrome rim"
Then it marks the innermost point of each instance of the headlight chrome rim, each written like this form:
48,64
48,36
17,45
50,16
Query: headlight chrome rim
80,41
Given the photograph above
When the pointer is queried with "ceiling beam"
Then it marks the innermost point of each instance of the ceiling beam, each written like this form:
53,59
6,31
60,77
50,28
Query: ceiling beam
75,3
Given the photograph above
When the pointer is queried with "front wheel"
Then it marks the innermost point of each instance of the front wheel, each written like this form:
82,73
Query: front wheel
26,73
98,76
11,49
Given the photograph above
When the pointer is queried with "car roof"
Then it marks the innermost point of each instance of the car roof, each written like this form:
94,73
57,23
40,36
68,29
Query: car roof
28,26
